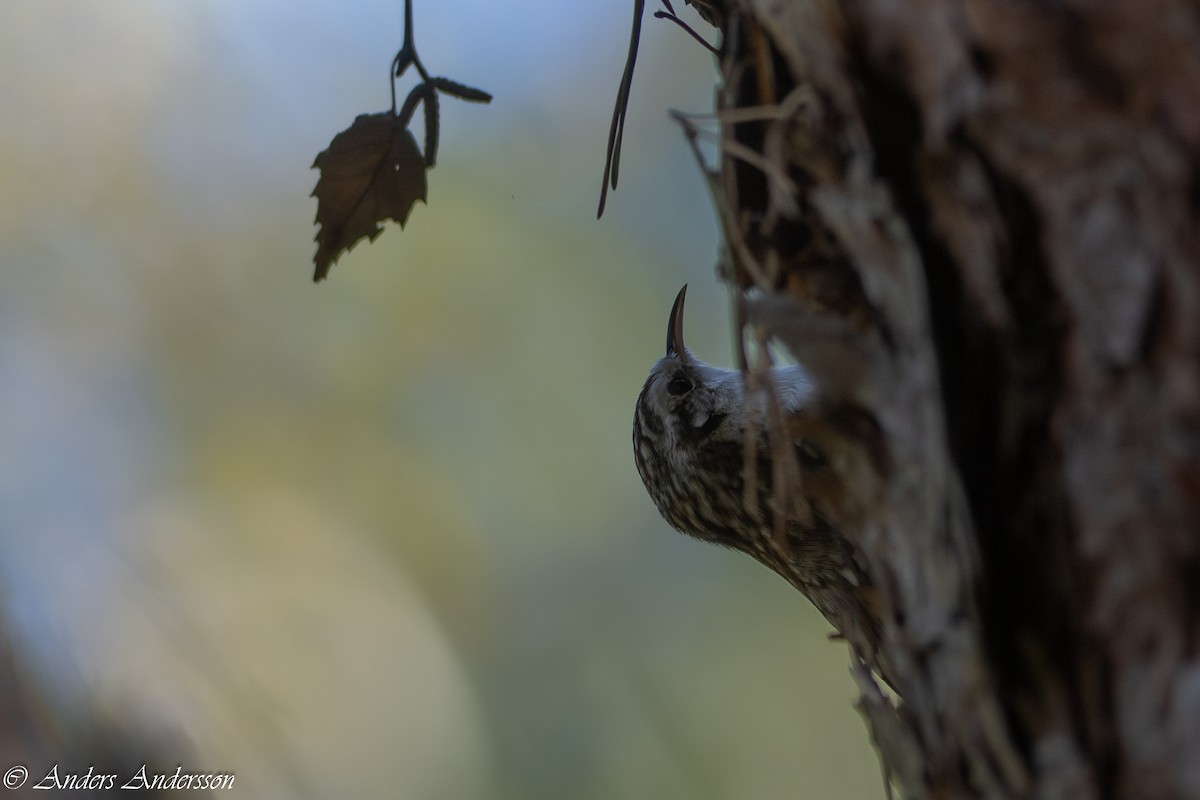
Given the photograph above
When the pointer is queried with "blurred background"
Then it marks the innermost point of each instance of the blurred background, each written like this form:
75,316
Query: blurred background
381,536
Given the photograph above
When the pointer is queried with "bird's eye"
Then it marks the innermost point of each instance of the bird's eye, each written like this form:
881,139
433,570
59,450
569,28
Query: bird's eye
810,455
679,385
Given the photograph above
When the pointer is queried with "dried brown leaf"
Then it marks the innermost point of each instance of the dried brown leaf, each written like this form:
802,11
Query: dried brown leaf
371,172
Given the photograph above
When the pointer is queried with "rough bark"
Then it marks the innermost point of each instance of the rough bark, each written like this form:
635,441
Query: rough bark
976,220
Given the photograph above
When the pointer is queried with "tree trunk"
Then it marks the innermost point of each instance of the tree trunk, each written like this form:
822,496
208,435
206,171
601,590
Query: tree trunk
976,222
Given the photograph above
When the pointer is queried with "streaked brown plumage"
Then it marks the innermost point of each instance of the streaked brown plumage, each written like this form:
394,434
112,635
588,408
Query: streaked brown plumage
690,445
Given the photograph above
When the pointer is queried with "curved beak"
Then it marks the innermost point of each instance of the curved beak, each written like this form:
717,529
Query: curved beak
675,346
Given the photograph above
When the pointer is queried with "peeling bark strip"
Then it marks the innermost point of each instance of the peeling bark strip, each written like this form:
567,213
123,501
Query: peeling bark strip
976,221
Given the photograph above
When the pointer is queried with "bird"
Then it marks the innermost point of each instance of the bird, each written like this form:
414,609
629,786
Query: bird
706,452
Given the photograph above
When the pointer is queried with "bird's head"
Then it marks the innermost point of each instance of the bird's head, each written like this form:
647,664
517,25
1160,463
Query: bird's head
685,402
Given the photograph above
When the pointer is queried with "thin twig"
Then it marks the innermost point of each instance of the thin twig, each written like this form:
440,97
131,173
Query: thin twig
671,16
407,56
783,187
733,238
616,129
